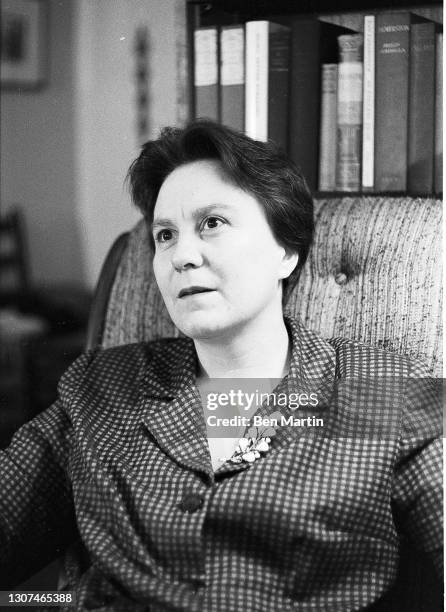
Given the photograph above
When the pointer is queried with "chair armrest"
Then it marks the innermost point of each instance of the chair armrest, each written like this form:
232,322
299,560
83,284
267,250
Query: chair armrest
101,296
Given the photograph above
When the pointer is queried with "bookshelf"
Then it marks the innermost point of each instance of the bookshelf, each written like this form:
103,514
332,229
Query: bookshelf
344,13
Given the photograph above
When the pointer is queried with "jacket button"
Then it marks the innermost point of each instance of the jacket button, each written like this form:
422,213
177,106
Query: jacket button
341,278
191,502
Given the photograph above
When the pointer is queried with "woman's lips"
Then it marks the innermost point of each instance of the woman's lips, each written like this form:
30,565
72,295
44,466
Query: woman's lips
194,290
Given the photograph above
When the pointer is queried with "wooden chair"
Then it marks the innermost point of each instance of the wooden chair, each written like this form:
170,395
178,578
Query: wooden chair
17,330
14,275
42,329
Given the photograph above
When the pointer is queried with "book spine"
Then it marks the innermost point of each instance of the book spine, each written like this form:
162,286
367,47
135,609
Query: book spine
420,170
305,98
327,147
391,101
438,165
232,76
368,105
349,113
206,73
278,84
256,71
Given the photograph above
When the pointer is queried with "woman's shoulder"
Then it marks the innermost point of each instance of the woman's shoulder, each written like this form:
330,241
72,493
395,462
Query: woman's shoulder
354,358
358,359
389,382
124,363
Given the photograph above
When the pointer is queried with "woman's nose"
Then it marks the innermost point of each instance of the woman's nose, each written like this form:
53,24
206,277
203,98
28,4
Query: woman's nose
187,253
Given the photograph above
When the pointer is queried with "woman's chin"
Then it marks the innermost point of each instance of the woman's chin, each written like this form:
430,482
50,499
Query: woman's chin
202,331
201,327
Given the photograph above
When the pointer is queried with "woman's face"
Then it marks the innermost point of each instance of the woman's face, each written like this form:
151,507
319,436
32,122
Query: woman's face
217,263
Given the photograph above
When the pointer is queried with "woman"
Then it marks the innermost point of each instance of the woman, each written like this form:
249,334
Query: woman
174,515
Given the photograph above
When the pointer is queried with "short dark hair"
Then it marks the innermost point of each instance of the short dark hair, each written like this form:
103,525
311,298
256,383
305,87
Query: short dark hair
259,168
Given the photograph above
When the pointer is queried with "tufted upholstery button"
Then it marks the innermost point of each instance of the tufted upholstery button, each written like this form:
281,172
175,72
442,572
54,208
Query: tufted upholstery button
341,278
197,584
191,502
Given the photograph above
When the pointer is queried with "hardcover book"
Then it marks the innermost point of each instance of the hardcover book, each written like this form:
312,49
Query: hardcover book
392,100
328,128
349,113
438,165
267,81
232,76
420,171
206,76
368,105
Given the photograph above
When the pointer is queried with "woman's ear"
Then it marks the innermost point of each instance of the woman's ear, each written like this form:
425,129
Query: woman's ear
288,264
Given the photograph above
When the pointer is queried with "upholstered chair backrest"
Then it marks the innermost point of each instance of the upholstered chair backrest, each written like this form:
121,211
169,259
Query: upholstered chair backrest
373,275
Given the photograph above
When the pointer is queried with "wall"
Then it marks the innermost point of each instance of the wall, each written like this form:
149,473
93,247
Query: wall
38,156
67,148
106,119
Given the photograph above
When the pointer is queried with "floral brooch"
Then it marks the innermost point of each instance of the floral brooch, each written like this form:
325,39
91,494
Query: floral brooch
256,442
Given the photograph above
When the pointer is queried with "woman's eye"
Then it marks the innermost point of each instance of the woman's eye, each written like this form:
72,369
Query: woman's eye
212,223
163,236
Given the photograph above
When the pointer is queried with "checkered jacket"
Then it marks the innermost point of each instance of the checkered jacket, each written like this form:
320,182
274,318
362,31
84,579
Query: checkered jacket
122,460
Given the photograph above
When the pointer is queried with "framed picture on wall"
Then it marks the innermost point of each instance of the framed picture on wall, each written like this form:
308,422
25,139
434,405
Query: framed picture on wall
23,44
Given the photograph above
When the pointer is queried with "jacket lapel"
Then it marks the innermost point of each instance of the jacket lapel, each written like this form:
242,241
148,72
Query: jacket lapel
172,410
312,370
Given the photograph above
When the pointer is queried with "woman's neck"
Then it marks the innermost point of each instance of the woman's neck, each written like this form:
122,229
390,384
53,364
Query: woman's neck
260,350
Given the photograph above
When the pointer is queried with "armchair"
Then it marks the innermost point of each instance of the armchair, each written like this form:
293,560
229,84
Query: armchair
373,275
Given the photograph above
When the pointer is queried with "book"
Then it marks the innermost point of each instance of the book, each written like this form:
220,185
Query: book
232,76
438,164
392,46
349,113
368,105
314,43
206,76
420,165
328,128
267,81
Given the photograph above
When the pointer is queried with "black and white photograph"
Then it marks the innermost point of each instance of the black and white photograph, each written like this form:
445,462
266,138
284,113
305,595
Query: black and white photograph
221,306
